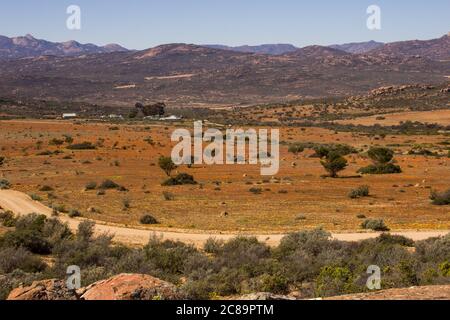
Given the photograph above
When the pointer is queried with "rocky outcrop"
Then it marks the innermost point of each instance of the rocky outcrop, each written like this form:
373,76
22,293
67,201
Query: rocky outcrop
130,287
120,287
413,293
259,296
43,290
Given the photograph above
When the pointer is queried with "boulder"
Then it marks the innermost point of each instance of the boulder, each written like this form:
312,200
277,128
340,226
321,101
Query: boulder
260,296
43,290
130,287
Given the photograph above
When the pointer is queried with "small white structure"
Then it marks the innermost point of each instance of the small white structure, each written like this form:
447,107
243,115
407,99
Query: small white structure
171,118
69,115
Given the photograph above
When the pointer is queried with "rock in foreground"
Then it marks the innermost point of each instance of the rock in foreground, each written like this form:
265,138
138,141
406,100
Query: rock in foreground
130,287
43,290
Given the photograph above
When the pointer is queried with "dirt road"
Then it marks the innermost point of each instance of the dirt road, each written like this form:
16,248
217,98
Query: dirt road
21,203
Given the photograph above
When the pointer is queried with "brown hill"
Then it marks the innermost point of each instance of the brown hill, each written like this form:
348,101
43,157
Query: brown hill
28,46
436,49
183,74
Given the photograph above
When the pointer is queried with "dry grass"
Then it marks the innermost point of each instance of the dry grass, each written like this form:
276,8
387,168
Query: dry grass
441,117
301,192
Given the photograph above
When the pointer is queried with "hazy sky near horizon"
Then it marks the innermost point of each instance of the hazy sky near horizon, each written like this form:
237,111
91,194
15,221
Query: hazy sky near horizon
140,24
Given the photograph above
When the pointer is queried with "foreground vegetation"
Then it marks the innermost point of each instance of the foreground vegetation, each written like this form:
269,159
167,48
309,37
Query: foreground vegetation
307,262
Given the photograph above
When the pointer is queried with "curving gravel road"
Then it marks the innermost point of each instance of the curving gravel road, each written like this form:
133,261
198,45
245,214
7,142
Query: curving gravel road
20,203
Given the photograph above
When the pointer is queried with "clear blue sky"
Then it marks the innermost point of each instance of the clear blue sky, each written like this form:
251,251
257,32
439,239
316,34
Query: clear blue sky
140,24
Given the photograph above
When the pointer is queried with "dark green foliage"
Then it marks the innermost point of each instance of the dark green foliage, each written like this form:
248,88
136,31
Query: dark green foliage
19,259
166,164
255,190
46,189
91,186
382,159
375,225
82,146
360,192
388,168
440,199
56,142
108,184
381,155
179,180
7,219
4,184
148,219
334,281
334,163
74,213
296,149
309,261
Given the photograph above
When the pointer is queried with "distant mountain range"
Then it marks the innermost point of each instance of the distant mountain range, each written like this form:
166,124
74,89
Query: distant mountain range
184,74
272,49
279,49
28,46
358,47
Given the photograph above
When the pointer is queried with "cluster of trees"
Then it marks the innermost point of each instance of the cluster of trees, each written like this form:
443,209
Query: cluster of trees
309,262
333,158
167,165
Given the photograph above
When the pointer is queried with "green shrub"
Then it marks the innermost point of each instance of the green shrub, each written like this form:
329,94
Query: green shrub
168,196
179,180
296,149
389,239
360,192
444,268
334,163
213,246
91,186
334,281
255,190
59,208
166,164
375,225
12,259
35,197
74,213
440,199
381,155
148,219
82,146
46,189
29,239
7,219
4,184
388,168
382,159
108,184
56,142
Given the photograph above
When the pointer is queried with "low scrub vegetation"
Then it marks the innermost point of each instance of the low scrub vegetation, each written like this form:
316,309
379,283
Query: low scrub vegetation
180,180
382,159
375,225
440,199
4,184
360,192
309,262
148,219
82,146
334,163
